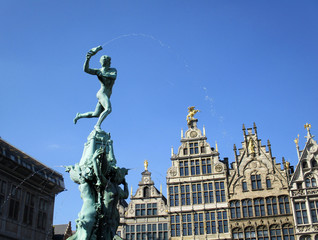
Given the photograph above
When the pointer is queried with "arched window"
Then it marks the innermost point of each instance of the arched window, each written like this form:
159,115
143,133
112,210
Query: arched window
275,232
314,163
305,164
259,207
283,204
235,209
237,234
262,233
250,233
288,232
146,192
313,182
307,182
271,204
247,208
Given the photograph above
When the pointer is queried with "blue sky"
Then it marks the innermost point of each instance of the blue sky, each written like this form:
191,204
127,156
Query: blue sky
237,61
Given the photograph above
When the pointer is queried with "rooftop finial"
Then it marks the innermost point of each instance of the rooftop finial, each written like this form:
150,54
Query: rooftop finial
146,165
216,146
297,140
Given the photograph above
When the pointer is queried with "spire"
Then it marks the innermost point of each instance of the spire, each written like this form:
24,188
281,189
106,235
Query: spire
146,165
216,146
203,130
172,152
131,192
255,129
297,145
160,189
181,133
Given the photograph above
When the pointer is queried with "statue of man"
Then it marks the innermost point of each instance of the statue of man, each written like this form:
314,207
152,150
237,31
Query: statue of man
107,76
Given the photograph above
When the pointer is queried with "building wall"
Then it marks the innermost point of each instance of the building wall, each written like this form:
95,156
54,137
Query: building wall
304,191
258,193
146,215
26,196
197,189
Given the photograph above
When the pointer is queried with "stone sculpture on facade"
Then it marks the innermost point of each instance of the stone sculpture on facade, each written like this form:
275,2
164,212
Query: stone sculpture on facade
98,176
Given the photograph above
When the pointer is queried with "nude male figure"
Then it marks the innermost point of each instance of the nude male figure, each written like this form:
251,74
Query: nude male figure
107,76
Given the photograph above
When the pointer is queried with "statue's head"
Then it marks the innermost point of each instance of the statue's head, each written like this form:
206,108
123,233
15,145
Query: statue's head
105,60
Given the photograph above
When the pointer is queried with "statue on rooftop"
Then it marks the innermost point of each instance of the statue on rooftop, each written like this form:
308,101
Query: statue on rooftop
191,112
107,76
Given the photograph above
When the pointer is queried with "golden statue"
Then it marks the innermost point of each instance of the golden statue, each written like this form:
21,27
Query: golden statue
307,126
297,140
146,165
191,112
251,146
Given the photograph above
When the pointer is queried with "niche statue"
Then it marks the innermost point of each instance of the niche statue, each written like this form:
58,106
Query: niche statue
99,178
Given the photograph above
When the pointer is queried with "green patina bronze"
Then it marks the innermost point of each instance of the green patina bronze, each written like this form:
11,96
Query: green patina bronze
98,176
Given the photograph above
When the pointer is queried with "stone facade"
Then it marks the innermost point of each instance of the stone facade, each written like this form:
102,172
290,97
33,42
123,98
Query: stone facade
197,192
304,190
259,200
146,216
27,194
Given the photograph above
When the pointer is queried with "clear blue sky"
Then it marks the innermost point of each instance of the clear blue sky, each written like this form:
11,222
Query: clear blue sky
237,61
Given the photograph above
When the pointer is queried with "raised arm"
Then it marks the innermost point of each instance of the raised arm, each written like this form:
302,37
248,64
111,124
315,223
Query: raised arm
91,53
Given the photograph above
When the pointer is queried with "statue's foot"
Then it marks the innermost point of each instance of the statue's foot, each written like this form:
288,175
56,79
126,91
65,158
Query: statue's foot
68,168
76,118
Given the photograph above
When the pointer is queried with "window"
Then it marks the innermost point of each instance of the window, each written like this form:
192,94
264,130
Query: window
185,195
288,232
244,186
219,192
271,205
210,222
268,183
301,213
151,209
311,182
186,225
256,182
307,237
202,149
3,188
175,225
262,233
28,209
198,224
314,211
185,151
247,208
208,192
250,233
194,149
313,163
283,205
195,167
222,222
275,232
259,207
42,214
305,164
184,168
206,166
174,196
162,231
14,202
235,209
196,193
237,234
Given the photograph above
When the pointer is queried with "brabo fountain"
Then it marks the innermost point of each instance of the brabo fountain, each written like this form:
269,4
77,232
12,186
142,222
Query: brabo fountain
98,176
